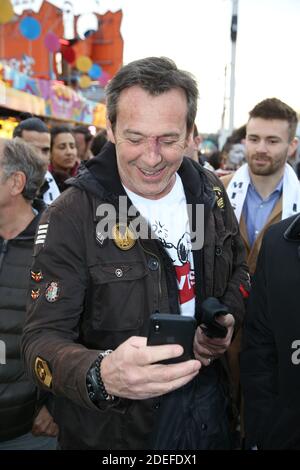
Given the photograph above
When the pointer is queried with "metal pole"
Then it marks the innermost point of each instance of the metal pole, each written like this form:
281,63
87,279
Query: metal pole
234,28
224,101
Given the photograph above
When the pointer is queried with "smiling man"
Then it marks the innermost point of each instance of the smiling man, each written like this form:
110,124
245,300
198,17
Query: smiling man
86,334
148,161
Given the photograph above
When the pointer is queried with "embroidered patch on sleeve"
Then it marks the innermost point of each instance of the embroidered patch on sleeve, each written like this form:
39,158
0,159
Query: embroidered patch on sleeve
42,371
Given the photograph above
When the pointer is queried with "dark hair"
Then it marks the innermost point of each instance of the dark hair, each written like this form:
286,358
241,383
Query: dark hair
99,141
273,108
18,155
156,75
30,124
85,131
59,130
237,136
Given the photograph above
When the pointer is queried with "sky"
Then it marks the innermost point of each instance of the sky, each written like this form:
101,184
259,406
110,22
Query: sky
196,35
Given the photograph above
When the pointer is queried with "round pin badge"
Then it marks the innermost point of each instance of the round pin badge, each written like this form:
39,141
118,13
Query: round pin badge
123,237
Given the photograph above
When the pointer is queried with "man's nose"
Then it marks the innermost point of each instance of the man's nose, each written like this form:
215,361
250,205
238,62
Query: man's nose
261,146
153,149
153,144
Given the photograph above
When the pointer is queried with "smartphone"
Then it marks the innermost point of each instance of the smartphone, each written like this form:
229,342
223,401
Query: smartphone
166,328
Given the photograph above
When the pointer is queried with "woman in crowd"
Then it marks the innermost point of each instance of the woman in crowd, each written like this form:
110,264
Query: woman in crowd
63,156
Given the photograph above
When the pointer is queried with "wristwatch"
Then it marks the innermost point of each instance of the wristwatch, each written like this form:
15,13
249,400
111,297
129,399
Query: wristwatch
95,386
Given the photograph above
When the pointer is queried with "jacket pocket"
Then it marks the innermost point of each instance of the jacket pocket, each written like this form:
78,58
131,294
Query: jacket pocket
117,297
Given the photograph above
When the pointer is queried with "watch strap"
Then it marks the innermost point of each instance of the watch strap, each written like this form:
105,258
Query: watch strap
95,386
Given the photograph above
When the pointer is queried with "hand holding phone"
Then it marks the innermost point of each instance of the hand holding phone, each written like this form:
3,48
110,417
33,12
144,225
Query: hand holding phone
166,328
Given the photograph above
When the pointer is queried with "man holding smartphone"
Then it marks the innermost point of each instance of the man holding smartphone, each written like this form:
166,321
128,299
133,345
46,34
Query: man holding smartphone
142,229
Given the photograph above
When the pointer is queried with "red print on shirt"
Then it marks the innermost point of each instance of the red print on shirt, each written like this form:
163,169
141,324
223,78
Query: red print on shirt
186,282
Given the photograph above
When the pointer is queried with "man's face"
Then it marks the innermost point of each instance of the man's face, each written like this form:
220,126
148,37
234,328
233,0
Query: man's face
40,140
268,145
150,137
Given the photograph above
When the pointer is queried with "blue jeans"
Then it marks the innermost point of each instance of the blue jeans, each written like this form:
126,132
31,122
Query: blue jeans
30,442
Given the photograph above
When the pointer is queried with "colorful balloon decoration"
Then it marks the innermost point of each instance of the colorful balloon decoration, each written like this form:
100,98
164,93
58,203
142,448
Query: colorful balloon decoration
95,71
84,81
52,42
83,63
6,11
30,28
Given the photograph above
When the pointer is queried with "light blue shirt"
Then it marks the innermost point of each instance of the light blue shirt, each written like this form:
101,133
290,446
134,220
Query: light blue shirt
256,210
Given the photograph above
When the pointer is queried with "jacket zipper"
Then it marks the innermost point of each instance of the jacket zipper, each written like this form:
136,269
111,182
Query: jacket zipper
3,251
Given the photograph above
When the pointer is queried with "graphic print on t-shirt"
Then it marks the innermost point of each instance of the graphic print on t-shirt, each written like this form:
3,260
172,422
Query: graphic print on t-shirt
168,217
181,258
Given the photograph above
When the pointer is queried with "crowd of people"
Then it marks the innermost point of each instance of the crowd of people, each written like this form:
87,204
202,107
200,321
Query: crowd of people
98,233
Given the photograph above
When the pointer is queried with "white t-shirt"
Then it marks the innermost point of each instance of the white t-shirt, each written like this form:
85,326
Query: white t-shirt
169,221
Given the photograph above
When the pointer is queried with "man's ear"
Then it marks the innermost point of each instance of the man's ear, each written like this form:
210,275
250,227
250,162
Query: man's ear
110,133
18,181
189,138
293,146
